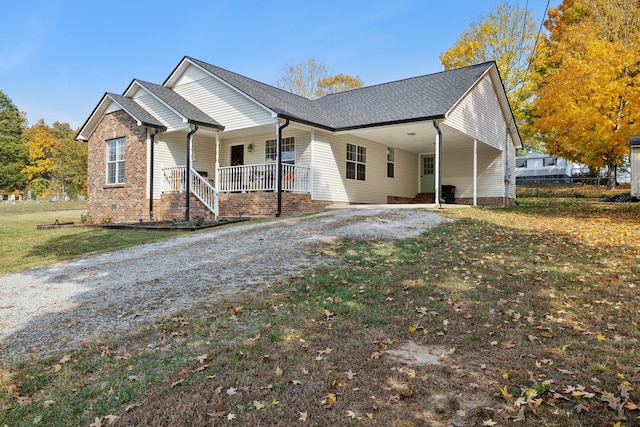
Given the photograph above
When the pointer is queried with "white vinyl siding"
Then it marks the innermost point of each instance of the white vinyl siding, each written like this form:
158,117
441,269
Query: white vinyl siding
157,109
457,170
257,155
329,175
226,105
479,115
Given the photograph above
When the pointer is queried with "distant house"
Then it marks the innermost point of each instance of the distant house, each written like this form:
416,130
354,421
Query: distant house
215,143
543,167
634,157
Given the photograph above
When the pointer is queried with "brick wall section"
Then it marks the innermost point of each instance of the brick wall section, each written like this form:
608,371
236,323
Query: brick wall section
122,202
265,204
172,206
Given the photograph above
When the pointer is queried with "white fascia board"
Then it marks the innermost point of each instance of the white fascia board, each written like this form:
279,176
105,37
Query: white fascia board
171,80
96,116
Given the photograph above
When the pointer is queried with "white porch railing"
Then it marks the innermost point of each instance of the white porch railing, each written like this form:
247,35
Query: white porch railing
205,192
174,180
248,178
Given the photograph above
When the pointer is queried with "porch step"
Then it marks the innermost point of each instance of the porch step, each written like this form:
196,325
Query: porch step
424,198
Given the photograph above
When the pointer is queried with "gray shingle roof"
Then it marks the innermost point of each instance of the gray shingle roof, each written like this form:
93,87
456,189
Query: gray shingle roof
136,111
278,100
418,98
179,104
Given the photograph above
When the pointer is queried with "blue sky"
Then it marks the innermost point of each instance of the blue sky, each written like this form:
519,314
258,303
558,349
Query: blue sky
58,57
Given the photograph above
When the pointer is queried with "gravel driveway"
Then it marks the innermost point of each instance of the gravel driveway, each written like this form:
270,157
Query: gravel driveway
57,307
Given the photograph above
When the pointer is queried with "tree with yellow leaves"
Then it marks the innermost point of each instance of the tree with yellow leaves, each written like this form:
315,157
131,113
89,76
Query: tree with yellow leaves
310,79
508,37
57,162
588,104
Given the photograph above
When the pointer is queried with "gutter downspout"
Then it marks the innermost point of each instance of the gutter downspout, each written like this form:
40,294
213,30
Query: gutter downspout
152,139
437,160
279,166
188,174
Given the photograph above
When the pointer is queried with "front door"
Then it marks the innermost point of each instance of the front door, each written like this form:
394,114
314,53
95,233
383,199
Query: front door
237,155
427,173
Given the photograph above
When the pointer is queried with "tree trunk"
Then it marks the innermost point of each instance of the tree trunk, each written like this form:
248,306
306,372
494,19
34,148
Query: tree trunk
611,177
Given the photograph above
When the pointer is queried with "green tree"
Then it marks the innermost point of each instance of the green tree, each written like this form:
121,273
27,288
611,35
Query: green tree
587,106
508,37
310,79
13,154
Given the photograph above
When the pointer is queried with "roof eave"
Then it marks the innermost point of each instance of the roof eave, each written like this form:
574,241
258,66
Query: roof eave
204,124
392,122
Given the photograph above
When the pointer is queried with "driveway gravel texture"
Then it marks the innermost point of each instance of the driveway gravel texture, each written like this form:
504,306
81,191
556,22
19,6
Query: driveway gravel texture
58,307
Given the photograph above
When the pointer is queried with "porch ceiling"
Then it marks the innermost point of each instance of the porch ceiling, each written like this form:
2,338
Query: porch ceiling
412,137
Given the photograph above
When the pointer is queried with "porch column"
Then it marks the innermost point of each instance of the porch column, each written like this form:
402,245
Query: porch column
437,161
216,170
188,172
475,172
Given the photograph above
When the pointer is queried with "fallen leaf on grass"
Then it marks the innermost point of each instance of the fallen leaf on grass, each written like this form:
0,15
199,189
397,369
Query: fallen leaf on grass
303,416
232,391
489,422
176,383
350,375
202,358
505,392
231,417
65,359
133,378
351,415
329,399
132,406
48,403
258,405
111,419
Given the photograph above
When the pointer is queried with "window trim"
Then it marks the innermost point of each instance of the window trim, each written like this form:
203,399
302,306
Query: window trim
356,162
391,162
550,161
285,141
119,161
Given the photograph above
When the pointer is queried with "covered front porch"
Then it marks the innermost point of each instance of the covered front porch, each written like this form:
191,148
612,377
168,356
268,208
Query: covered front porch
241,179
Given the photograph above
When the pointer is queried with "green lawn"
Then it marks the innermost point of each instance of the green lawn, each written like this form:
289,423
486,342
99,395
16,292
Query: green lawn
535,309
24,246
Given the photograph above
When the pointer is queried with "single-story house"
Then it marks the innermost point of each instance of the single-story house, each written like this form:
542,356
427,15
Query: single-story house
215,143
634,157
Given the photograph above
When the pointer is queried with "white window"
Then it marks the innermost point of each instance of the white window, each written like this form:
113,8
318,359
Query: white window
551,161
356,162
390,162
115,161
288,150
521,163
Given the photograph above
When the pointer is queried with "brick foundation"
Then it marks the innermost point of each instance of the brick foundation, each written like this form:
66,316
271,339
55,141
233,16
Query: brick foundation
121,202
172,206
265,204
